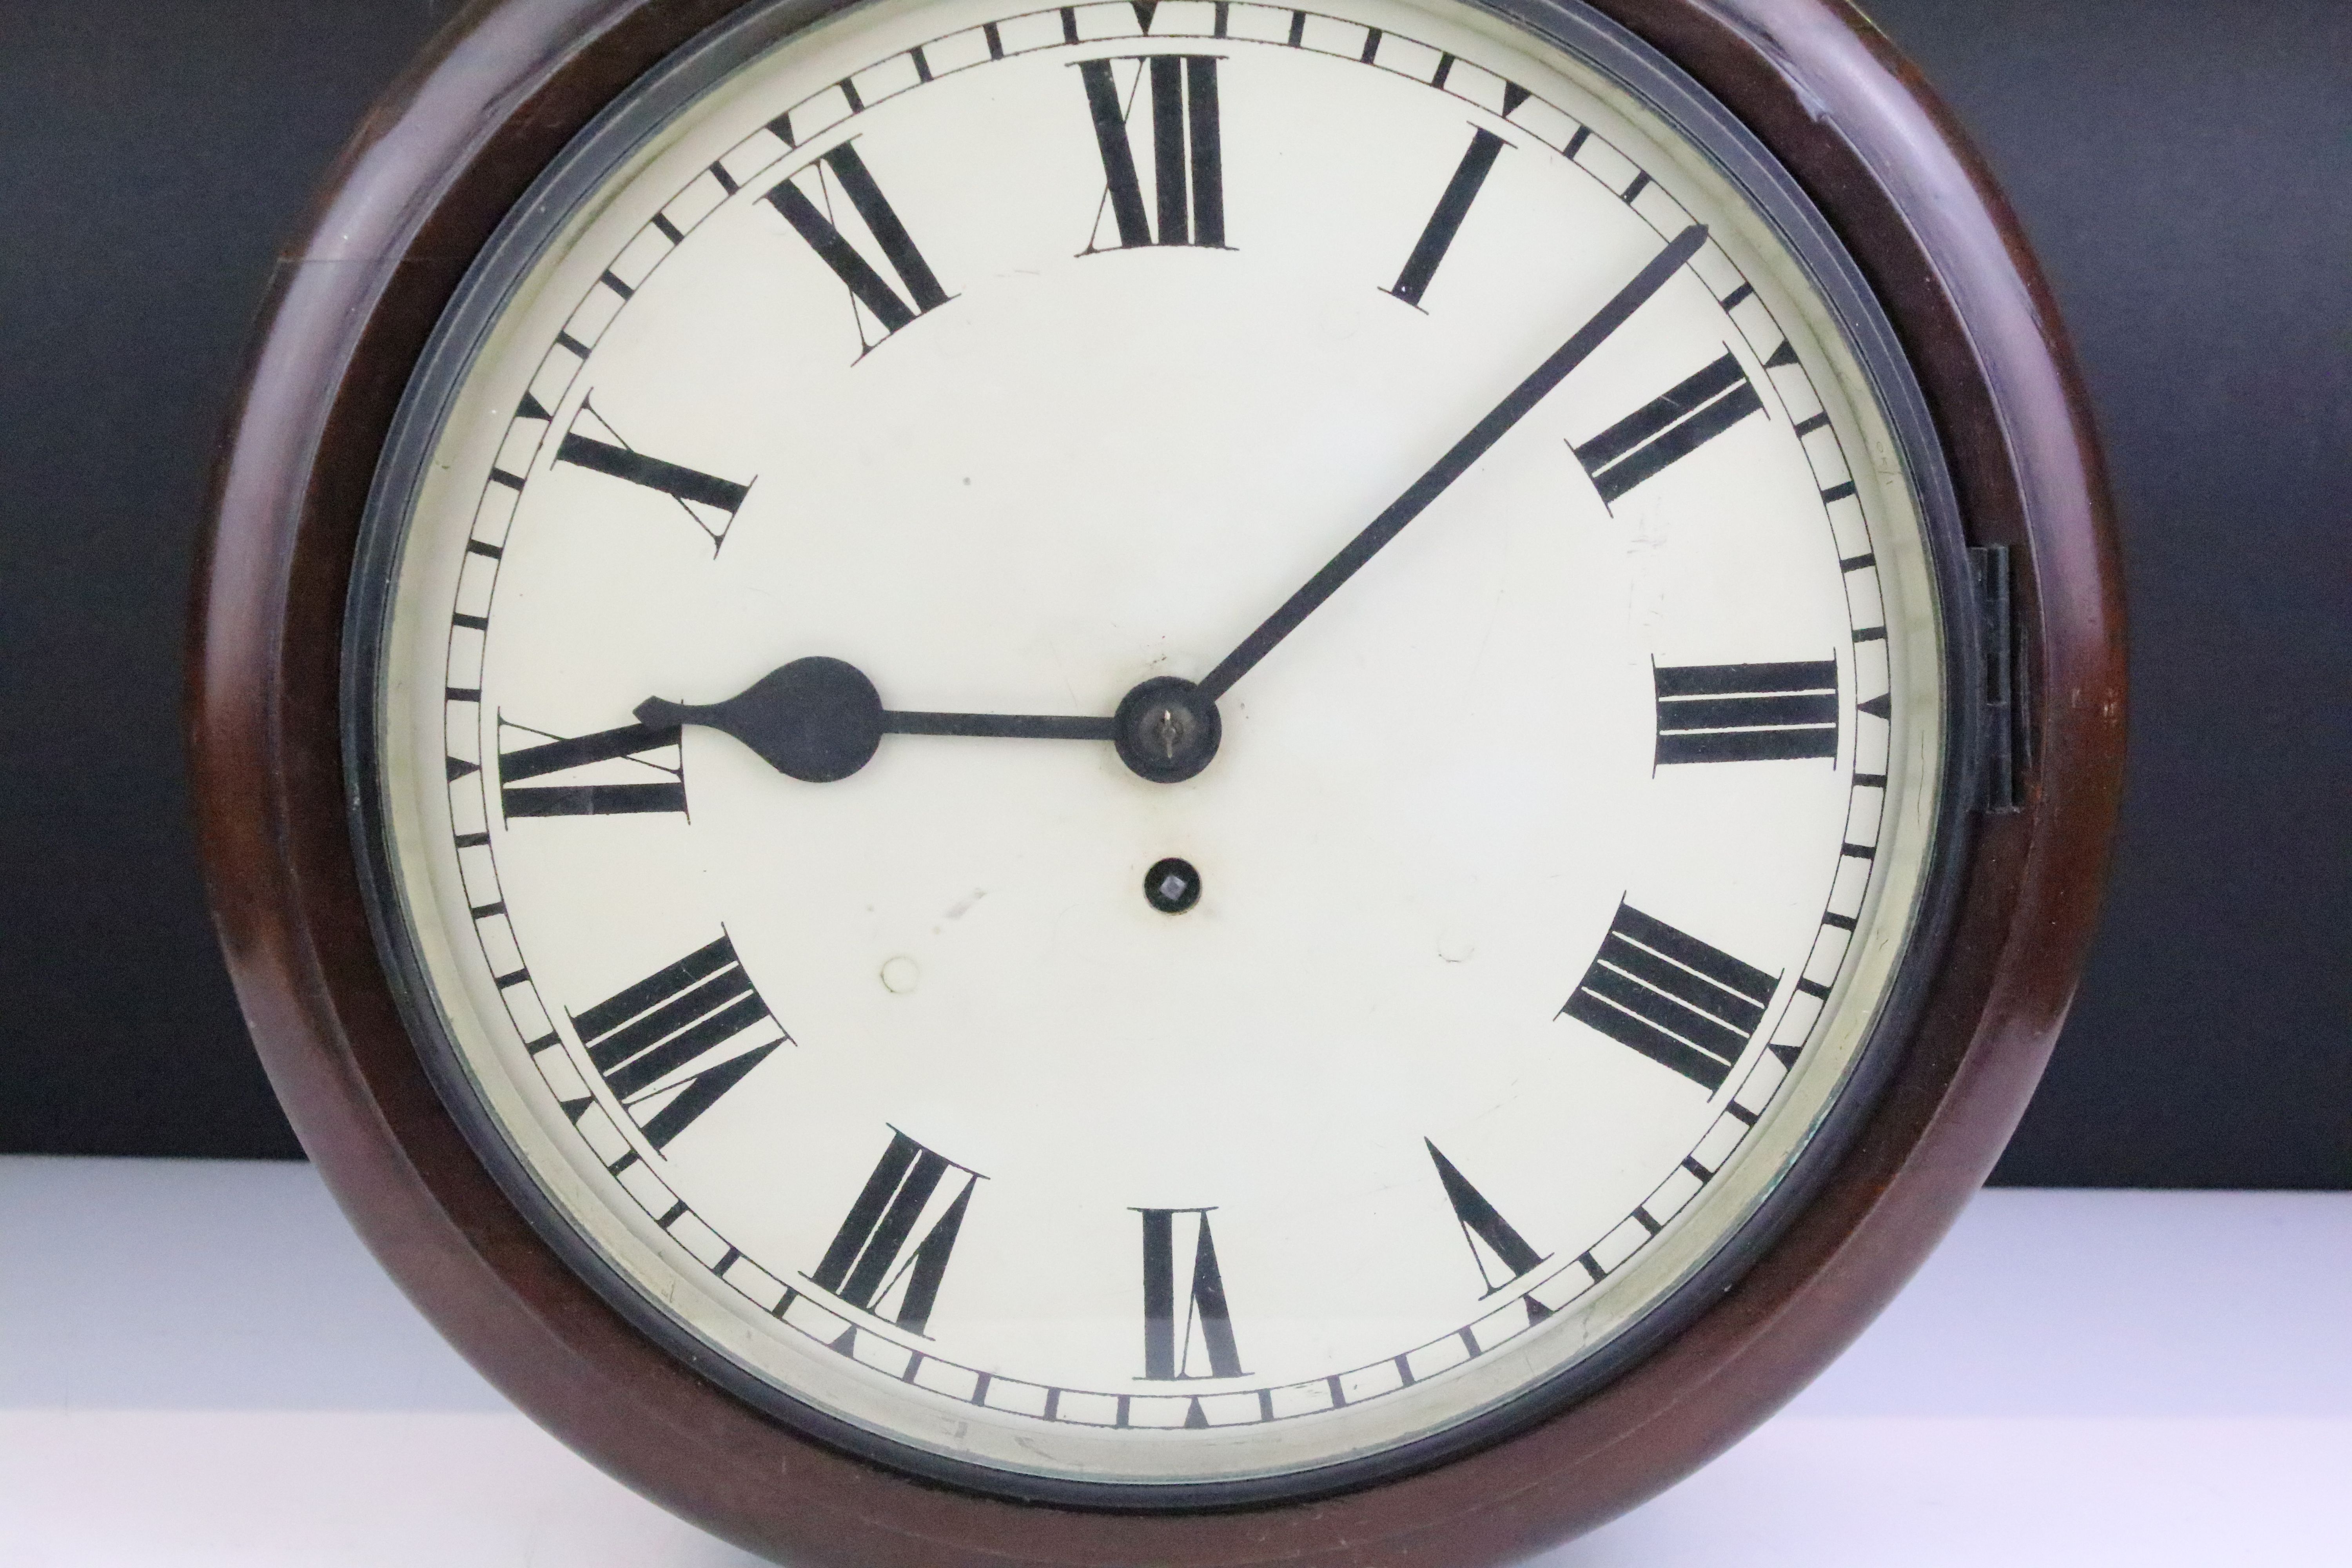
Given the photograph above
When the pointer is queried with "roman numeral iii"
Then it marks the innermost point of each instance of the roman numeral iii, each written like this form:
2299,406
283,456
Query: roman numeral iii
1645,442
1671,997
672,1044
876,1261
1746,712
1501,1254
884,306
1188,1329
708,502
1452,207
525,753
1187,160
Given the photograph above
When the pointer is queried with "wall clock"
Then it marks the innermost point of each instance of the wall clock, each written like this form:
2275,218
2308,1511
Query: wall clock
1162,781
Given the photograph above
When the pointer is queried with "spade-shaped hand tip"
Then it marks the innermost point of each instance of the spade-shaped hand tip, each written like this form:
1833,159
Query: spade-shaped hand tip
817,720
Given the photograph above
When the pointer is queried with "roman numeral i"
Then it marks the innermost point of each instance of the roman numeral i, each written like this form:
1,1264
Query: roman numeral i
672,1044
1660,433
526,754
1187,1329
1452,207
1746,712
1671,997
876,1263
1187,170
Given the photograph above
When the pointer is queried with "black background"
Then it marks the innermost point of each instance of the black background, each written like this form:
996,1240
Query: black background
2184,167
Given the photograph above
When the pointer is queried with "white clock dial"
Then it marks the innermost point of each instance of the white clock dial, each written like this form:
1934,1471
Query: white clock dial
913,918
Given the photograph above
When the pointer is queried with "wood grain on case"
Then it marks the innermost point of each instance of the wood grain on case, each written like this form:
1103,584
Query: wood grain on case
433,169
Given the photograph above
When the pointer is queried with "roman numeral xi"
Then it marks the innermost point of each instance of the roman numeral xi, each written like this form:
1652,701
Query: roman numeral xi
1188,1329
525,754
875,1262
1187,159
1671,997
1746,712
671,1044
886,307
1645,442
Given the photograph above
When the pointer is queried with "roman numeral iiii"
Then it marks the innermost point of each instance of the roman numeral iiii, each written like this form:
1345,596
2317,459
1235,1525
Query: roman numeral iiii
875,1262
1746,712
1645,442
1671,997
671,1044
1188,168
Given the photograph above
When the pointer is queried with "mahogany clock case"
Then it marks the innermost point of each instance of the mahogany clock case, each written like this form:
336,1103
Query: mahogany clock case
435,172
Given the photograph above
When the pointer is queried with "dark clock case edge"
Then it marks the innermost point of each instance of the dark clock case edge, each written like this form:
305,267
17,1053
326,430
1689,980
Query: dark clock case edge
435,168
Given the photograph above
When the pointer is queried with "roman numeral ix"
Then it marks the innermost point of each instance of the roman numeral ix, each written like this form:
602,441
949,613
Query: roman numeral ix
1179,1265
672,1044
1437,235
709,502
884,306
526,754
876,1263
1671,997
1694,413
1746,712
1501,1254
1187,170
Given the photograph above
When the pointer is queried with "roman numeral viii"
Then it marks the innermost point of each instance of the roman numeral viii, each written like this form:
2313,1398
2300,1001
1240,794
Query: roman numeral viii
1180,1266
1188,168
672,1044
876,1263
884,305
1646,441
1746,712
1437,235
1671,997
525,753
1501,1254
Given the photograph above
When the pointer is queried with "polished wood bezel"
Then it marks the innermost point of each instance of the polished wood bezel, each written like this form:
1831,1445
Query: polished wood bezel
431,175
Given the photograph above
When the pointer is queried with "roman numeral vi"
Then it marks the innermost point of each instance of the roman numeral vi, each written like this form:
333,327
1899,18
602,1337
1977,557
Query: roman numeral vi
1646,441
1187,170
1198,1342
1671,997
875,1262
672,1044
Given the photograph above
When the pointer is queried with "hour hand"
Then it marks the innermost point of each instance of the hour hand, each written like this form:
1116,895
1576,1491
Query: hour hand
819,719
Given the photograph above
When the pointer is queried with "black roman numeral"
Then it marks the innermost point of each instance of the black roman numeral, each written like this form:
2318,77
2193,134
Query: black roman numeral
874,1263
1437,235
535,753
1671,997
1746,712
1678,424
1199,1344
885,305
670,1045
1188,168
1501,1254
709,501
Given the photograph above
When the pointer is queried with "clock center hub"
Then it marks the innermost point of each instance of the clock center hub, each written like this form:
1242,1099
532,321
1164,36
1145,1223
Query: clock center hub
1166,729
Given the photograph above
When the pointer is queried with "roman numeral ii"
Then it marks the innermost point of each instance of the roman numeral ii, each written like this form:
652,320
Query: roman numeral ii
672,1044
1671,997
1187,170
1646,441
876,1263
1198,1340
1746,712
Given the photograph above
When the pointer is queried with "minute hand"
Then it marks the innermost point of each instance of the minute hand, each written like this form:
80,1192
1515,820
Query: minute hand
1453,463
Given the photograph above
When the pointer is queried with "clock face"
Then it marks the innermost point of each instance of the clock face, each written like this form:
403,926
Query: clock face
1168,746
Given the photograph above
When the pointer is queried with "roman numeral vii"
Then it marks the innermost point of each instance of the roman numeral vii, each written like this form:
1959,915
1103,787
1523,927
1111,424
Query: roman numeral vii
1188,1329
875,1262
672,1044
1671,997
1660,433
1187,161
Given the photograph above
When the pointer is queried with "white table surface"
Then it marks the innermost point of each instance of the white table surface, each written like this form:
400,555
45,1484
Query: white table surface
200,1365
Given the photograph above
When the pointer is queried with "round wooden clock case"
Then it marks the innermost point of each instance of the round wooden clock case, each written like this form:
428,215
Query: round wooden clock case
2032,635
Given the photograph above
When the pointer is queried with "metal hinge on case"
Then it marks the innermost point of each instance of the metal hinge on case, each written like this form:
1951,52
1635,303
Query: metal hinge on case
2000,780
